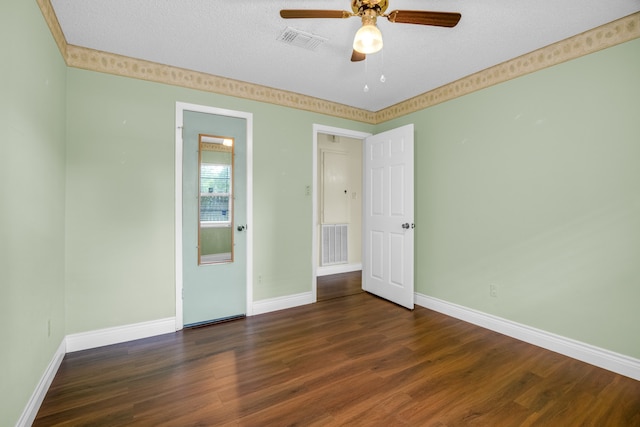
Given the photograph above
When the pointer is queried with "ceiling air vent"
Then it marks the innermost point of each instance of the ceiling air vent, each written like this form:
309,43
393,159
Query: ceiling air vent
301,39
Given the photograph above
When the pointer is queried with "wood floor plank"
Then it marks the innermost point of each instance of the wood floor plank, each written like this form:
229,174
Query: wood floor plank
355,360
339,285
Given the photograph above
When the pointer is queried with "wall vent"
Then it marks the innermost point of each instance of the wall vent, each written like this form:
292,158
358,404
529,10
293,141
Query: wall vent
301,39
334,244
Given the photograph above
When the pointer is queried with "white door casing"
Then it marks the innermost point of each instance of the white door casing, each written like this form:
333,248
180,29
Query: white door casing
388,235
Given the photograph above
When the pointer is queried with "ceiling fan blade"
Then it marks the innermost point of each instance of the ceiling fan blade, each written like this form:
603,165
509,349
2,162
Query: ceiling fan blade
311,13
438,19
357,56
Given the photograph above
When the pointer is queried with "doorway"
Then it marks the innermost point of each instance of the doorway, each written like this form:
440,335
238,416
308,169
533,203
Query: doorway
209,291
331,153
388,212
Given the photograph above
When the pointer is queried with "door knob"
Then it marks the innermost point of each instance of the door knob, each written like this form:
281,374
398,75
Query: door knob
242,227
406,226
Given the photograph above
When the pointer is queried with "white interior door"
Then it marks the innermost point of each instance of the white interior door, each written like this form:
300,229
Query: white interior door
388,235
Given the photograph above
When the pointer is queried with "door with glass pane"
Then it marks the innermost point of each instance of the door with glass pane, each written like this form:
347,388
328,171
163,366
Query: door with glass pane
213,217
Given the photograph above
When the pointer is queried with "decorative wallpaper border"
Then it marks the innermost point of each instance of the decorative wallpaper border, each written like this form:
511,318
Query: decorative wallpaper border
608,35
212,146
54,26
89,59
605,36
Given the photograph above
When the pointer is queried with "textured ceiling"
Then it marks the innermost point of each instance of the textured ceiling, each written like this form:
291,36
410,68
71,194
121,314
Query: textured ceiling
238,39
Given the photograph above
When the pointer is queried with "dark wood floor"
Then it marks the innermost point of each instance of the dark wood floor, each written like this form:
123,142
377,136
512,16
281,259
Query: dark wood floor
339,285
354,361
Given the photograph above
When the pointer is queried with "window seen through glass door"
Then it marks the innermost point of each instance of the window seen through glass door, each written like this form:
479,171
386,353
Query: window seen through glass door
215,194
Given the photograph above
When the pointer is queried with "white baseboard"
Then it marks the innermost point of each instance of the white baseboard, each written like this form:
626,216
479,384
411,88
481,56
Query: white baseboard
337,269
118,334
615,362
37,397
281,303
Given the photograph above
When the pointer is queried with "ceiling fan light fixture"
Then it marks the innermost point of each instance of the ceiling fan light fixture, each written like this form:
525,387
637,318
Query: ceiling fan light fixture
368,39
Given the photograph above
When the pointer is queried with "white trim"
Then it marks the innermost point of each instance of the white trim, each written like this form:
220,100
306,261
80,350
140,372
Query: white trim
181,107
615,362
337,269
314,193
37,397
249,213
178,213
118,334
281,303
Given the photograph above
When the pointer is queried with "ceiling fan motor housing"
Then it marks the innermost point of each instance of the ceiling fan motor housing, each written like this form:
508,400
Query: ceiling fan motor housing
359,7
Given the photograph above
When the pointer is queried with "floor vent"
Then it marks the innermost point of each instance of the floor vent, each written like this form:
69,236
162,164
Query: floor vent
334,244
301,39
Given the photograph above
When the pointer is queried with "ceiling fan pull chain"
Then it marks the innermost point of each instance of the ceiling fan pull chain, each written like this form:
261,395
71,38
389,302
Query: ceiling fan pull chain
366,74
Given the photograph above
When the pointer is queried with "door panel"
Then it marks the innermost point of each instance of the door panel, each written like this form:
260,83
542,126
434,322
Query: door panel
396,270
388,217
396,175
212,291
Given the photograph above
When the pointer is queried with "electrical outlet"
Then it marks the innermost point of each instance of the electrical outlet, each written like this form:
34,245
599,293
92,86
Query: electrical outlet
307,190
493,290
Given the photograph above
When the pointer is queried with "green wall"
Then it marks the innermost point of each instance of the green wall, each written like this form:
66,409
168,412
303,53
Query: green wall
534,185
531,185
120,203
32,168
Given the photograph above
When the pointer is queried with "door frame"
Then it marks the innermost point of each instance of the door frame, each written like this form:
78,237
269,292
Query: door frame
317,129
181,107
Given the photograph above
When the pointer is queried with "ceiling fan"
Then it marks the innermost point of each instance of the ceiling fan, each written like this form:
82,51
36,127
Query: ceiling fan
368,39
